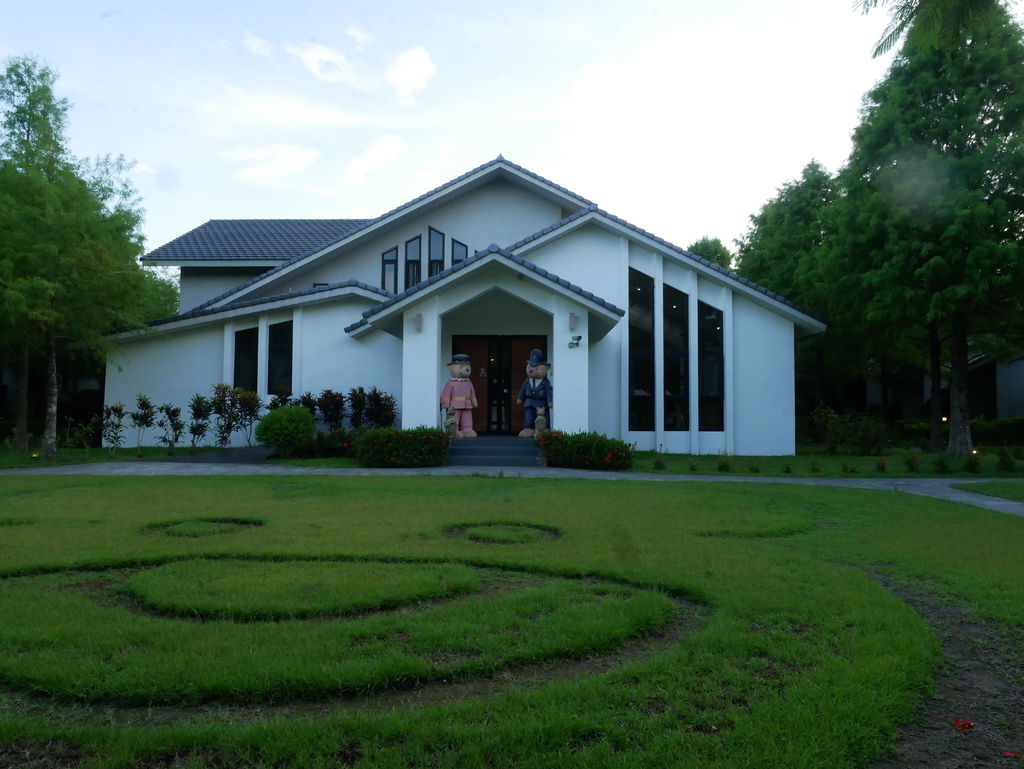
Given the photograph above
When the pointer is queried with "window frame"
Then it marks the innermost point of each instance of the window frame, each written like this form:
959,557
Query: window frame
389,259
435,257
416,263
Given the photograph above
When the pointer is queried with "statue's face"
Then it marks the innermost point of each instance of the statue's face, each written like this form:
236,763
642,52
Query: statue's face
461,370
537,372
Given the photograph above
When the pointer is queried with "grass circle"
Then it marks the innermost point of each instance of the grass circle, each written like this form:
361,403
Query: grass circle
503,532
16,521
276,590
202,527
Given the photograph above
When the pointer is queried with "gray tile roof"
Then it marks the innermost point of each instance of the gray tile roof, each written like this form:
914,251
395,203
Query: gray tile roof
369,222
478,256
593,209
222,239
197,312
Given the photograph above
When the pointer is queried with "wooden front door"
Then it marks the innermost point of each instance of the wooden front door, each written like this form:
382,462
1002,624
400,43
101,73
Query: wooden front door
499,368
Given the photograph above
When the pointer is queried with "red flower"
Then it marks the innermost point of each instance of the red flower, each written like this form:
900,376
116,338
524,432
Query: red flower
1011,754
963,725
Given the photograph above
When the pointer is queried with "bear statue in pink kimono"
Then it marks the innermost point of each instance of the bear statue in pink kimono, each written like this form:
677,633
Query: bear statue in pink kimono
458,398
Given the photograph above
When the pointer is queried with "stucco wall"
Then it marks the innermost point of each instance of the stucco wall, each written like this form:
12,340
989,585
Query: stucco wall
499,212
200,284
1010,388
763,381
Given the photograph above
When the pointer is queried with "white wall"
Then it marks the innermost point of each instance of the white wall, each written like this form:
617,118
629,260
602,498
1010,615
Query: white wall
763,381
200,284
499,212
592,258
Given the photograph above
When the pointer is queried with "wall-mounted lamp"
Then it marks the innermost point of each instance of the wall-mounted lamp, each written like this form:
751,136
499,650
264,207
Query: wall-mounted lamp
575,341
419,321
572,321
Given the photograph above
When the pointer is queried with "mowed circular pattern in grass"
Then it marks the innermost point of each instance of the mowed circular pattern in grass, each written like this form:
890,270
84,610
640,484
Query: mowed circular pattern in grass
202,527
269,590
85,636
503,532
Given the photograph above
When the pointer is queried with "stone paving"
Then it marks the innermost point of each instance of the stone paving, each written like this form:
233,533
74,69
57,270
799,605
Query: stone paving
252,464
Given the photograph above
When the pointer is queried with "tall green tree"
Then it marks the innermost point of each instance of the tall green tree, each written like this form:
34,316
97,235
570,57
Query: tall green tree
69,270
934,23
930,210
712,249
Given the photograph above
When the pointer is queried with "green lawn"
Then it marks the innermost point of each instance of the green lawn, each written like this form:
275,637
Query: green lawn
1007,489
473,622
13,459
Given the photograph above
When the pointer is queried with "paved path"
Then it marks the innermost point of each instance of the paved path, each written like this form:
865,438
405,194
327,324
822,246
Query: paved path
939,488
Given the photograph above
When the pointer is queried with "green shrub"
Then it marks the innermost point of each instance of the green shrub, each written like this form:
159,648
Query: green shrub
912,462
1006,461
868,435
286,429
336,443
724,463
972,464
585,451
391,447
942,465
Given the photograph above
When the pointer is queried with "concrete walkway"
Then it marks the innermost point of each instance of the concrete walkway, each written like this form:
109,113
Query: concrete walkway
205,464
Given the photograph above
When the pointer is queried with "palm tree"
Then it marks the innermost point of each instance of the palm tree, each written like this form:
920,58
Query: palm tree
939,23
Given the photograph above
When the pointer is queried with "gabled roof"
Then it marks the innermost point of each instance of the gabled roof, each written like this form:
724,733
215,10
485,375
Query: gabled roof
481,171
491,252
599,213
254,239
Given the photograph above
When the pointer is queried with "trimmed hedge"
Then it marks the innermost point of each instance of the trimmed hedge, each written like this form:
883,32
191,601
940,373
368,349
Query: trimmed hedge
286,429
391,447
585,451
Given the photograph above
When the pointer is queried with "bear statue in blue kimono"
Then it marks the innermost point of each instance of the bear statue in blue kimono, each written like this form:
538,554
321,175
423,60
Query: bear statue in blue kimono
536,395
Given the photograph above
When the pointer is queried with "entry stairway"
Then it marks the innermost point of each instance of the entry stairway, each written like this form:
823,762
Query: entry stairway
495,451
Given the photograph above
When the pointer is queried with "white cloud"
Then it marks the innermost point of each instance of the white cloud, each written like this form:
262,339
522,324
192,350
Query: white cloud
144,168
237,108
332,66
257,45
381,153
410,72
441,167
273,161
359,36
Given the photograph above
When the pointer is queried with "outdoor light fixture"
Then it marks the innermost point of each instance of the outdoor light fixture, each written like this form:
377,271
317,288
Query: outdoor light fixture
419,321
575,341
572,321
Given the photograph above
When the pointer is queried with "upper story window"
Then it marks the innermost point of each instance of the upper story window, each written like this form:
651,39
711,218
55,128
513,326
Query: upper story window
435,252
413,249
389,270
460,252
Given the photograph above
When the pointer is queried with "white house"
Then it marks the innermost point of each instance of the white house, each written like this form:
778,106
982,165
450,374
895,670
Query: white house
648,342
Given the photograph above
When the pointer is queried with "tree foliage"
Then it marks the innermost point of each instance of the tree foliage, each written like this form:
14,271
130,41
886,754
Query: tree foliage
713,250
69,270
930,211
933,23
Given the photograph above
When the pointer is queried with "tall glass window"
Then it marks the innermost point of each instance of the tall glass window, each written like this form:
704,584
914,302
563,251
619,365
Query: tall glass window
711,367
460,251
677,359
413,251
435,252
279,359
641,351
389,270
247,345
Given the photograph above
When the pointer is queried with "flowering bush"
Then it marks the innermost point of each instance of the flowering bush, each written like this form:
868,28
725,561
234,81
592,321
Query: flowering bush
391,447
587,451
336,443
912,462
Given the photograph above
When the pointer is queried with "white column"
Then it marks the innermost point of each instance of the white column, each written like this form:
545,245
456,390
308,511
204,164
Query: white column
297,385
728,421
228,370
263,356
659,352
570,374
691,327
421,357
623,331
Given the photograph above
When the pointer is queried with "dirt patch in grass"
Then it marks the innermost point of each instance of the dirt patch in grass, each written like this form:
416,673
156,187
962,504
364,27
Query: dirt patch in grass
502,532
980,684
54,754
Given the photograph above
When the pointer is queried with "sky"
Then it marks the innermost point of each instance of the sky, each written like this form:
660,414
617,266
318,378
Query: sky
681,117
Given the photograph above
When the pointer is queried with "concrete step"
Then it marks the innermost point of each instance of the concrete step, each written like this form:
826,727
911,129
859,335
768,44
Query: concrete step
495,451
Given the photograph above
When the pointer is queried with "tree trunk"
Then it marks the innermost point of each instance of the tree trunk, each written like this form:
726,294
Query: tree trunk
935,374
959,417
21,418
50,426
